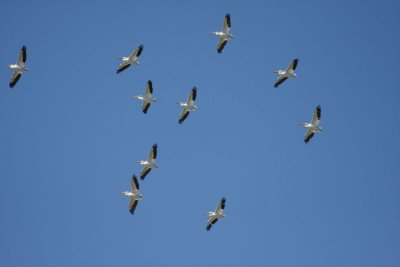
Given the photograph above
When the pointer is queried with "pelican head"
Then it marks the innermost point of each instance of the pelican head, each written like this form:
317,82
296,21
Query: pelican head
303,124
294,75
125,193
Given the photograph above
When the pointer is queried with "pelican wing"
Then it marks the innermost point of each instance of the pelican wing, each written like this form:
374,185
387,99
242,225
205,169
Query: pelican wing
227,23
221,44
220,206
137,52
144,172
280,80
123,66
134,184
210,222
149,88
192,95
14,79
183,116
309,134
22,56
132,205
293,64
145,107
153,153
316,116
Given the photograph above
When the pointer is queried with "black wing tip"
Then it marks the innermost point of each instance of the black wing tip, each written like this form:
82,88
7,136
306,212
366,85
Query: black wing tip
141,46
194,93
146,108
221,47
149,82
135,180
183,117
208,227
155,146
223,199
306,140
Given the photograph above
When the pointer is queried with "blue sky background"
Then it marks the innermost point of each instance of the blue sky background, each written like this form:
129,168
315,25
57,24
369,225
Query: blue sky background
71,132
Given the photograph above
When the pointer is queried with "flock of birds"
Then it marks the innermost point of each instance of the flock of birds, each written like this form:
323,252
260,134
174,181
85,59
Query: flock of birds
189,105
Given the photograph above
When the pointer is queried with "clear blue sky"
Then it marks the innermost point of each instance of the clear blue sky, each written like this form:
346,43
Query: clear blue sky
71,132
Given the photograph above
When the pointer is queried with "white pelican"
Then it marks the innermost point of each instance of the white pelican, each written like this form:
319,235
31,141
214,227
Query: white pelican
134,195
149,163
148,97
18,67
188,105
312,127
224,35
284,74
132,59
215,215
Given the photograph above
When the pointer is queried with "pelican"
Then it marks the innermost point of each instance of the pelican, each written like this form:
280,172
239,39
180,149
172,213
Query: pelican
312,127
284,74
215,215
149,163
134,195
188,105
132,59
224,35
18,67
147,98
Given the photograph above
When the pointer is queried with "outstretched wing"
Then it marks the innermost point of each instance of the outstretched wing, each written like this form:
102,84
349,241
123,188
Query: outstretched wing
192,95
316,116
210,222
149,88
22,56
145,107
293,64
280,80
221,44
134,184
227,23
183,116
145,171
137,52
123,66
132,205
14,79
220,206
309,134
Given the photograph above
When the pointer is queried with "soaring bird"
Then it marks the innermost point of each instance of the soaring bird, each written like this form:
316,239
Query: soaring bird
134,195
215,215
188,105
149,163
224,35
18,67
288,73
132,59
312,127
148,98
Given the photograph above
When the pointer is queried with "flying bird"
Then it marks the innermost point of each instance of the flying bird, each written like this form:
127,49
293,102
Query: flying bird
224,35
131,60
188,105
18,67
215,215
288,73
134,195
148,98
149,163
312,127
